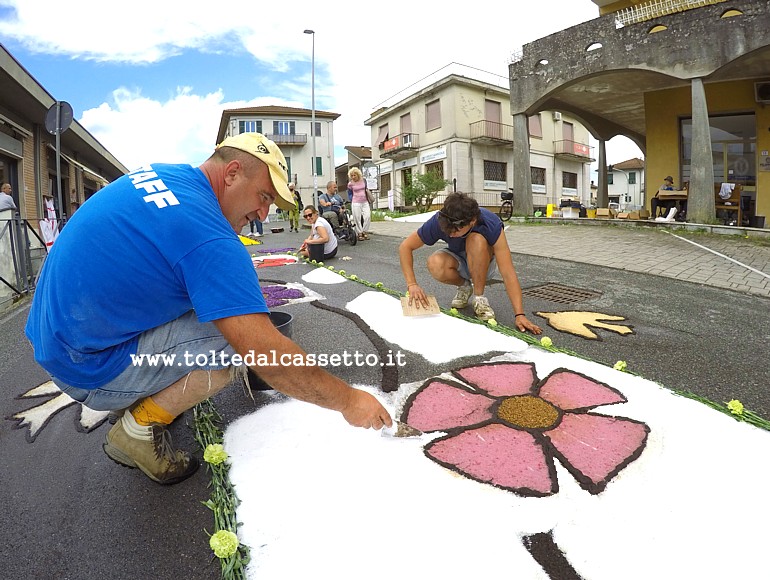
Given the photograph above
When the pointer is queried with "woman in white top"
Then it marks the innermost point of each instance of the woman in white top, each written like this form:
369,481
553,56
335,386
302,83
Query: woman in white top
321,244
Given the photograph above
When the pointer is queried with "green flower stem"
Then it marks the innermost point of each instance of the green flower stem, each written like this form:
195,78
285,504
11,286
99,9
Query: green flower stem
223,501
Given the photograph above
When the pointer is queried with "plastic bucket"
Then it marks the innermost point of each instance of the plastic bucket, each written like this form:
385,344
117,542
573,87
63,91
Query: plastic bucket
549,209
590,213
283,322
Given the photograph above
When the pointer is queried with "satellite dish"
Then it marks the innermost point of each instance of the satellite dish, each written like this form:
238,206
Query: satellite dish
64,117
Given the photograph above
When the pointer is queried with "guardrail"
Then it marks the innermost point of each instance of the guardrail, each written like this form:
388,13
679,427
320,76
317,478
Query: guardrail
22,253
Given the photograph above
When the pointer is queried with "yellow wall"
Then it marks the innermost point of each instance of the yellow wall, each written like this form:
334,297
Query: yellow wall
663,110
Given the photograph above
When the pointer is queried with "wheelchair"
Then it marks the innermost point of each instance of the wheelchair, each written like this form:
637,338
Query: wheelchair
345,230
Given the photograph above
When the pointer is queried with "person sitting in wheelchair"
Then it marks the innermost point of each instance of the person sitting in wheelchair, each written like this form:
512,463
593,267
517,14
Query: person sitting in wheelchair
332,206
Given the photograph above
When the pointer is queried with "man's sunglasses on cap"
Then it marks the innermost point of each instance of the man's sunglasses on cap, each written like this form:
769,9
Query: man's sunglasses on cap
453,222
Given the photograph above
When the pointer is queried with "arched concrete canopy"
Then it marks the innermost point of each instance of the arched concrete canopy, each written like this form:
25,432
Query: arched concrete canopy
605,87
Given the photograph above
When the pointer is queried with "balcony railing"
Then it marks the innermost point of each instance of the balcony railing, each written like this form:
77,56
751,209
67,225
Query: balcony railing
572,150
400,147
657,8
296,139
491,133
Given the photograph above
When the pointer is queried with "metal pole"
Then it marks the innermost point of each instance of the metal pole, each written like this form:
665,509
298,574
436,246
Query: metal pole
58,161
312,117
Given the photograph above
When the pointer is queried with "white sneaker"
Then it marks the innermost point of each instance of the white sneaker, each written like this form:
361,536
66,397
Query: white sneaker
461,297
482,308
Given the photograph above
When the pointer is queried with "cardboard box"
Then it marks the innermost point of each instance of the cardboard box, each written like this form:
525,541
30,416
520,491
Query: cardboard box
623,215
633,215
644,214
603,213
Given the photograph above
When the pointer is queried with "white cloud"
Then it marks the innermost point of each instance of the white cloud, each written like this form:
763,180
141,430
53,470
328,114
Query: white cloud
367,54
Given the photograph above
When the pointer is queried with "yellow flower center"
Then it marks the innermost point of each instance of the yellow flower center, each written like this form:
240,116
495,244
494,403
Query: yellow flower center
528,412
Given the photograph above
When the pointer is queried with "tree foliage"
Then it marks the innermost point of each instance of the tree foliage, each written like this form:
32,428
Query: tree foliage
422,189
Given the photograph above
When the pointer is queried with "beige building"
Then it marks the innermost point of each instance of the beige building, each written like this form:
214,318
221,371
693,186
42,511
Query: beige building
459,127
625,184
290,128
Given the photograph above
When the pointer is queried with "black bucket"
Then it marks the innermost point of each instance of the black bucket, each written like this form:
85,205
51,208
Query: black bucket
282,321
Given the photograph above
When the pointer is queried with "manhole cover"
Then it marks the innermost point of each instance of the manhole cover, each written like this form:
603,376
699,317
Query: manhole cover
561,294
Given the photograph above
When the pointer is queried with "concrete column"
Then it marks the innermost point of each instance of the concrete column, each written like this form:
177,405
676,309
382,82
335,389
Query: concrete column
602,193
700,202
522,175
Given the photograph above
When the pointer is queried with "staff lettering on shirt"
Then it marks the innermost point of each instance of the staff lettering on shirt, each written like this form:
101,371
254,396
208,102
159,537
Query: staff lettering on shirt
145,178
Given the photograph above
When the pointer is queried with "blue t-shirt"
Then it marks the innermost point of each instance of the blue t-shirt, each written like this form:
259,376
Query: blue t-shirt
139,253
488,225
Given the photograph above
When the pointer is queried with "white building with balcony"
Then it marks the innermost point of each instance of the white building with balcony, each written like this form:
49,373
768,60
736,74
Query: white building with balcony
291,130
625,184
459,126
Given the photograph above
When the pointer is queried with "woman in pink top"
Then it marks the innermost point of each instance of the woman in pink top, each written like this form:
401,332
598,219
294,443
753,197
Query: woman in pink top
360,204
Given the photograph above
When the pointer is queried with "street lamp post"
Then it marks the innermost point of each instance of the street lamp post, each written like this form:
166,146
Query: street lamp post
312,117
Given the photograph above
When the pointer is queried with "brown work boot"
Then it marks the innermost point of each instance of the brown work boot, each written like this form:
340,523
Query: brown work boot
150,449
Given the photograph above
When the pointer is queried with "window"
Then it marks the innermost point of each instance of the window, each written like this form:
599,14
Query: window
288,166
317,132
568,131
433,115
383,135
436,169
610,178
569,180
632,178
384,184
283,127
535,126
494,171
538,179
406,123
733,148
249,126
319,170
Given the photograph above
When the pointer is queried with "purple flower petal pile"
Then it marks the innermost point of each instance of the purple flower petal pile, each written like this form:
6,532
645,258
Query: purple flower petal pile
278,295
276,250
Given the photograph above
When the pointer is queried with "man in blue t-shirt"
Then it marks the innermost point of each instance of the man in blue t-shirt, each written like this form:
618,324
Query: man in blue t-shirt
148,300
476,249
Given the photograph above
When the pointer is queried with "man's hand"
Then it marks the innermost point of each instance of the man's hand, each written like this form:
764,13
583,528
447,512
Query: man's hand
417,296
524,325
364,410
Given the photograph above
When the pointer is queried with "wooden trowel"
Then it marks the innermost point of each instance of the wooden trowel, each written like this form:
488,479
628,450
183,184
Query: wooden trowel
413,310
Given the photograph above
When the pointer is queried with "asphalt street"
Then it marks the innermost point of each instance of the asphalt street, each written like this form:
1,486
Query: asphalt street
70,513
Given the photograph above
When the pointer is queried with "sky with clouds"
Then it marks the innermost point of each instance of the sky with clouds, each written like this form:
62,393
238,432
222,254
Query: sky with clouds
150,81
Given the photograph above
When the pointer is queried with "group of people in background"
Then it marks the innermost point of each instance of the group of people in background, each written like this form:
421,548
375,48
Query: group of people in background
329,213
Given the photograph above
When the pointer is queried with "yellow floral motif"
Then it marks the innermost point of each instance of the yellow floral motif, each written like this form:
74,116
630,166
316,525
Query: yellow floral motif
736,407
546,342
620,366
224,543
215,454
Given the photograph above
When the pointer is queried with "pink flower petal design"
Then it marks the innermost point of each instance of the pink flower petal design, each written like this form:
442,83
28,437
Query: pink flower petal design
438,406
595,448
570,391
501,379
496,454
